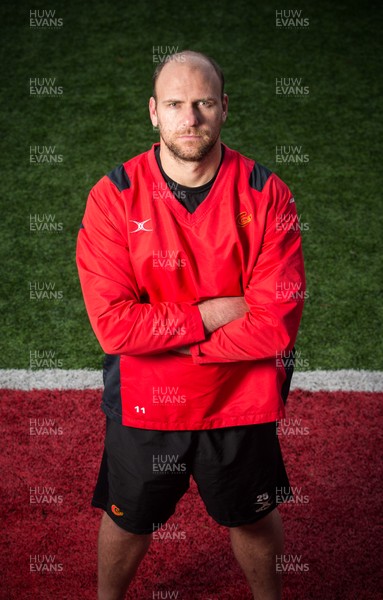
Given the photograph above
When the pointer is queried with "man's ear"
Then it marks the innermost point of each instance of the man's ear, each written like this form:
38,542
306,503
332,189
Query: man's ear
225,107
153,111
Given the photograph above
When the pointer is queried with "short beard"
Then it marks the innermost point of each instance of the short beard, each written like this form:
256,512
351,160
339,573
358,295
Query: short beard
199,154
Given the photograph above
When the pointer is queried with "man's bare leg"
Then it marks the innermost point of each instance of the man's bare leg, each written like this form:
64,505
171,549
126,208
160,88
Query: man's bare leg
119,555
255,547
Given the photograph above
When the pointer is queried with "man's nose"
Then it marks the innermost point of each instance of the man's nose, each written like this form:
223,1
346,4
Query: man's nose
190,117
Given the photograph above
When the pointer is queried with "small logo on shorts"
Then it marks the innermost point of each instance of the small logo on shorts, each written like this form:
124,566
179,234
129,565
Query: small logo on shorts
263,502
116,511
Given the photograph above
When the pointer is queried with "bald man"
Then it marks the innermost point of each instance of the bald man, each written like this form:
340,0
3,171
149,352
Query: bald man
182,256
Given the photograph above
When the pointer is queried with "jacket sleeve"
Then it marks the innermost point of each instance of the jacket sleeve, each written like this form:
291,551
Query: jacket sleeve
274,294
121,322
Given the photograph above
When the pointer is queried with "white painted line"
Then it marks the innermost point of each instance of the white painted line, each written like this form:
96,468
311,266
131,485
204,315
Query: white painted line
341,380
80,379
50,379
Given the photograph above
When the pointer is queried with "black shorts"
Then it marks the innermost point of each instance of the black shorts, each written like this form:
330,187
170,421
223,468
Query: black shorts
144,473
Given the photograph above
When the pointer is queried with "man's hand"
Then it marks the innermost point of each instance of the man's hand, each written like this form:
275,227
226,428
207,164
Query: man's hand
218,312
183,350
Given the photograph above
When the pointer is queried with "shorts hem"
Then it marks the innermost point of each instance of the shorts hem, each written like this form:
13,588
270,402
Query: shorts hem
250,521
206,424
130,529
123,525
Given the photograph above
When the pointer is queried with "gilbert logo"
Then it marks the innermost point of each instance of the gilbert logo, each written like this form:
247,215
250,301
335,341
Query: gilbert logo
244,219
140,225
116,511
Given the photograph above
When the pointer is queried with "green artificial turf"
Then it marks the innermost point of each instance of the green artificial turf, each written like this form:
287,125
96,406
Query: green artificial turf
102,56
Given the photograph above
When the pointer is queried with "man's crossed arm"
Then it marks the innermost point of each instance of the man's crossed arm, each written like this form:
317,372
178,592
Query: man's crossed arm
217,312
223,329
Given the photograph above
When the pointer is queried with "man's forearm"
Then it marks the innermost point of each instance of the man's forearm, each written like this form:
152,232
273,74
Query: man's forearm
218,312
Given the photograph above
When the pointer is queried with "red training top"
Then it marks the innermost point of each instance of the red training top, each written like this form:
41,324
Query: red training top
145,262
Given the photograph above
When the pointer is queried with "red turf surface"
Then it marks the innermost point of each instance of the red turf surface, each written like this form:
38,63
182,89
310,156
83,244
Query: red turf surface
333,454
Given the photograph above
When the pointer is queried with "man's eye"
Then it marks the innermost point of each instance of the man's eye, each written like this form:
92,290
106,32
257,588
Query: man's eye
173,103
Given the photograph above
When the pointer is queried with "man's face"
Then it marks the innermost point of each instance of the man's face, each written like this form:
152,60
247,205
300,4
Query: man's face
189,111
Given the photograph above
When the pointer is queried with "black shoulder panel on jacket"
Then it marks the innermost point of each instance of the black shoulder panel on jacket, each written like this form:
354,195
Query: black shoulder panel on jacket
120,178
258,177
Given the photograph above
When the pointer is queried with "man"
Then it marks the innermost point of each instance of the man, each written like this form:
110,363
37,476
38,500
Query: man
182,256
